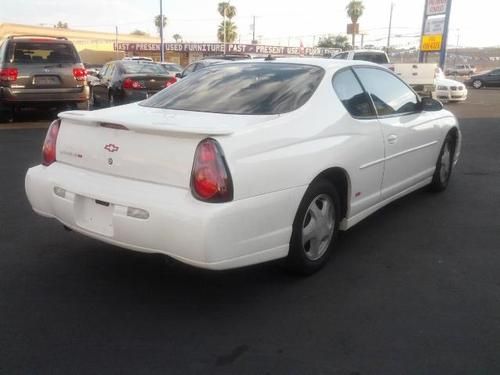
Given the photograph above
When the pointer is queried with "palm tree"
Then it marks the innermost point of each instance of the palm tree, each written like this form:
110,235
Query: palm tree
177,37
230,10
158,22
354,10
231,32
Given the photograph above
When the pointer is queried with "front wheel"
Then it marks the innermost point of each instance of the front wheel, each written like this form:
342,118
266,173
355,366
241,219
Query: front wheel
444,165
477,84
315,228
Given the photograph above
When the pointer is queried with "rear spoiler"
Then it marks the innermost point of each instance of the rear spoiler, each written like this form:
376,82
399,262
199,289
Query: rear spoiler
10,37
91,118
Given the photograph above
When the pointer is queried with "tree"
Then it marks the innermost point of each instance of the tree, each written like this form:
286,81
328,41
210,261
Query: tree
231,33
158,22
139,32
227,11
177,37
354,10
230,10
333,41
61,25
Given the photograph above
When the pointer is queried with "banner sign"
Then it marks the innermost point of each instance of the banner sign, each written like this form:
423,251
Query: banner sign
435,7
230,48
431,43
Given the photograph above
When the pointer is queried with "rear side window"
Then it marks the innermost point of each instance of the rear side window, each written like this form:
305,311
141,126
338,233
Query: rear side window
377,58
257,88
352,95
25,52
389,94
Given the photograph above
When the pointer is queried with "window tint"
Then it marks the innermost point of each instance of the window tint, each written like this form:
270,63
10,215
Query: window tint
374,57
351,94
389,94
495,72
256,88
42,53
139,67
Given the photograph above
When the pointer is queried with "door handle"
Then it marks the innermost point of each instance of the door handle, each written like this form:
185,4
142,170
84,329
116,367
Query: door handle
393,138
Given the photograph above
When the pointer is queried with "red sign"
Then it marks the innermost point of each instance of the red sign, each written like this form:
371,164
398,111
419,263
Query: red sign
435,7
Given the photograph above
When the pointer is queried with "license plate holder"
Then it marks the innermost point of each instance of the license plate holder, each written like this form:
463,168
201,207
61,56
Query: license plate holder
46,81
94,215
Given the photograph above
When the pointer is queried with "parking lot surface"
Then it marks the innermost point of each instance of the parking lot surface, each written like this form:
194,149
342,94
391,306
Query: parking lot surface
414,289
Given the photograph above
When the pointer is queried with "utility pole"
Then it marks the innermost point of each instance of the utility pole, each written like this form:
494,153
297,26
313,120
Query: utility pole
253,31
116,42
162,54
390,27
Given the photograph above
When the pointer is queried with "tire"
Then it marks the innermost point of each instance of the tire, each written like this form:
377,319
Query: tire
91,100
477,84
319,211
113,101
444,165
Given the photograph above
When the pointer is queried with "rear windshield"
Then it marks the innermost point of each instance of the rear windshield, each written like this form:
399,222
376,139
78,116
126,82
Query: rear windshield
378,58
42,53
258,88
172,67
138,67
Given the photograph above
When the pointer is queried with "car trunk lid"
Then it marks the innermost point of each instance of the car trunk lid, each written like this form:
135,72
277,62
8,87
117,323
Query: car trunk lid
142,143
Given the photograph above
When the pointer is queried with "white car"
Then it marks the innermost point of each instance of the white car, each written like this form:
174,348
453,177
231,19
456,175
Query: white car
450,90
245,162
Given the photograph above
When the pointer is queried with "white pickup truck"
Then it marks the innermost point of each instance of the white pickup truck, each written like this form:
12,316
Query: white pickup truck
419,76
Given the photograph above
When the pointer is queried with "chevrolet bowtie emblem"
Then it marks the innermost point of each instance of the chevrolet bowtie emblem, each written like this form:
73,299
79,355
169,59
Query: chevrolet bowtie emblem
111,147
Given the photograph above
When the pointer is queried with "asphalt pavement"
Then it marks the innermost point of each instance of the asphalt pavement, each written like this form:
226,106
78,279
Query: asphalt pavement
414,289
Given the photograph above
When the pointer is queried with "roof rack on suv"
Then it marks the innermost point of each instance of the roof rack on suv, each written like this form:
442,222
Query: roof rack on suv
36,36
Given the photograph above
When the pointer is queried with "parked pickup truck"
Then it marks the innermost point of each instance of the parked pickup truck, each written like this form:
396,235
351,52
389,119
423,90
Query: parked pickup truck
461,70
421,77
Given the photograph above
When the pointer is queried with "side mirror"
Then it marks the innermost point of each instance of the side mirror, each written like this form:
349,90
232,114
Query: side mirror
99,75
430,105
178,75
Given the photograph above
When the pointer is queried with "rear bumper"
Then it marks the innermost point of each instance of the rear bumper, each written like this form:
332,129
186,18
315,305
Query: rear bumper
213,236
132,96
10,95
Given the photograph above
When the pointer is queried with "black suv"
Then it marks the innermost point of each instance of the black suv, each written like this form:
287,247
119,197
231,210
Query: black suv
40,70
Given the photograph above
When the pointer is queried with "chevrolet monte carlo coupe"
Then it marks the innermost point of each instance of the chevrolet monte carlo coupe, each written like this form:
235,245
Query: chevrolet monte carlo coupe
245,162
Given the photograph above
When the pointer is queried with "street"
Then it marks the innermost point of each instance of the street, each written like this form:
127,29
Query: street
413,289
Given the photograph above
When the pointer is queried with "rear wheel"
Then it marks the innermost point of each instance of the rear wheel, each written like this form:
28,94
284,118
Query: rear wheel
477,84
113,100
314,229
444,165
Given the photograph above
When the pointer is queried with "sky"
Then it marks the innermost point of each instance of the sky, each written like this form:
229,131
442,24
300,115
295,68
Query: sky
278,22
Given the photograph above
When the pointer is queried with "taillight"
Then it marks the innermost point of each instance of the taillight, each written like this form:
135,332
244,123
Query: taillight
8,74
49,145
80,74
169,82
129,83
210,177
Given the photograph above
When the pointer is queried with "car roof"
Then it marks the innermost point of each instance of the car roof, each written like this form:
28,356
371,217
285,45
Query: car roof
324,63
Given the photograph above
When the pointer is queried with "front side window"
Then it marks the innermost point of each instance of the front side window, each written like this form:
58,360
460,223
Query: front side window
389,94
257,88
352,95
